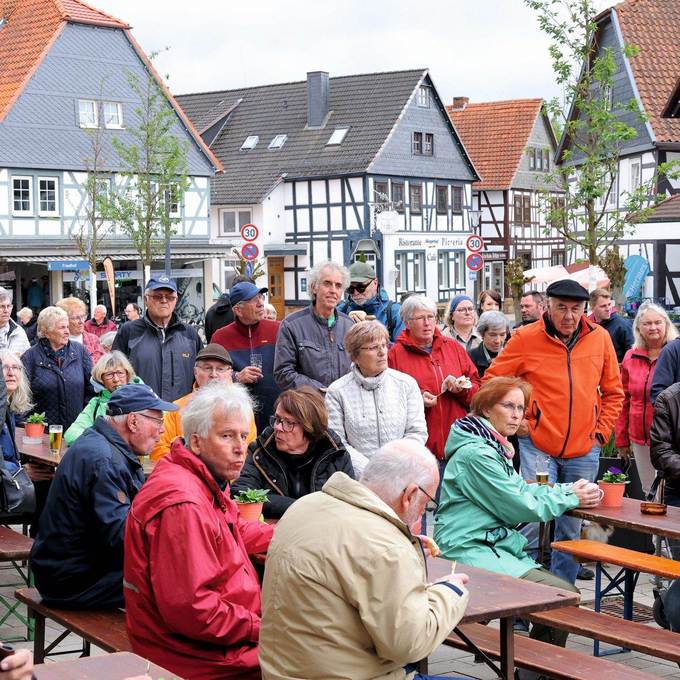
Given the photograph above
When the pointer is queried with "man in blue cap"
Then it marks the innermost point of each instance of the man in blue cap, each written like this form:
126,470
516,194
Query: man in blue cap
161,348
77,556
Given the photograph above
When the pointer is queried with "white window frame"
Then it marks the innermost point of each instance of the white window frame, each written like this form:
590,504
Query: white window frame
168,200
250,142
638,165
48,213
237,220
119,114
423,98
86,123
278,141
338,136
23,213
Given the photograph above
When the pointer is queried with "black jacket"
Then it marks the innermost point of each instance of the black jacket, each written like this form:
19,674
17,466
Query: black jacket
267,468
665,437
621,333
218,316
479,358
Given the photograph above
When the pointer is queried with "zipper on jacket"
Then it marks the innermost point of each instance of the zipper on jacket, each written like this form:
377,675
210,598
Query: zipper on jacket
377,417
571,400
265,475
644,405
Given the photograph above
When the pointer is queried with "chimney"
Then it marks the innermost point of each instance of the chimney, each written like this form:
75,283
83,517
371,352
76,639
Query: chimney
317,98
460,103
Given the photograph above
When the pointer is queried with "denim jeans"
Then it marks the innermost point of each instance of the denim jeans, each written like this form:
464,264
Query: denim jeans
566,528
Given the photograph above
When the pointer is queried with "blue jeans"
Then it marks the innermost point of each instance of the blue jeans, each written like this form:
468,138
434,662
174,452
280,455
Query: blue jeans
566,528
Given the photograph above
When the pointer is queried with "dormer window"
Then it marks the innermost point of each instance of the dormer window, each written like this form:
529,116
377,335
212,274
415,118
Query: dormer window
250,143
424,97
338,136
278,141
113,115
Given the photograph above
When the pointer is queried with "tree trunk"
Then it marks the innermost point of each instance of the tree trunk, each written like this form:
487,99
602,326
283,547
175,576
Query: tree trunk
93,290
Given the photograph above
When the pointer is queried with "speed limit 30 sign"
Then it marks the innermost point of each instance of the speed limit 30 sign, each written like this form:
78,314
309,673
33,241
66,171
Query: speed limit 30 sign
249,232
474,243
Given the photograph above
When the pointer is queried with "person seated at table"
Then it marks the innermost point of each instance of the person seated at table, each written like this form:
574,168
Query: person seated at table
295,455
17,666
483,499
18,404
192,595
77,556
108,374
345,591
213,365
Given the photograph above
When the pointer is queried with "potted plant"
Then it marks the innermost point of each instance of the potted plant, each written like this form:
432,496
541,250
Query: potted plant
613,485
35,425
250,503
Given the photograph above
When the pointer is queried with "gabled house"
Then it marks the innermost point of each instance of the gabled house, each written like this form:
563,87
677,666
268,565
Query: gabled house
64,70
512,144
338,168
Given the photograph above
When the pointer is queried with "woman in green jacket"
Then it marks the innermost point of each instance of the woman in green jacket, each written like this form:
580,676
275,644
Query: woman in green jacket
108,374
483,499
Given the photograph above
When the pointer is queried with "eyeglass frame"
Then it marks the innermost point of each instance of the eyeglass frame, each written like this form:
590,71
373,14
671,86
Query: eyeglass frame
274,419
159,421
358,287
432,505
163,297
116,373
220,370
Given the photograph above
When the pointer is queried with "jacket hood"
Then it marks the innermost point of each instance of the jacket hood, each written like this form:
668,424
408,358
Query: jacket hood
223,303
457,439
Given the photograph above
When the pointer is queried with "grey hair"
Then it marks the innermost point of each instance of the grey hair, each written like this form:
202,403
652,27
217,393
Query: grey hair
25,312
21,400
314,276
671,331
413,304
109,362
396,465
119,420
101,307
492,319
48,318
106,340
5,294
198,415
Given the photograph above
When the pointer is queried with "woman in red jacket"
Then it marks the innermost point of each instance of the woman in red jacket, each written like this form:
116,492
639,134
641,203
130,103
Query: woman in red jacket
652,329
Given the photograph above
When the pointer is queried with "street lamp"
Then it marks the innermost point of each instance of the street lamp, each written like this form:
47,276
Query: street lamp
474,219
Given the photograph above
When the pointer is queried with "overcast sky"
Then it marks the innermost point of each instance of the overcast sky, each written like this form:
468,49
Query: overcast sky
483,49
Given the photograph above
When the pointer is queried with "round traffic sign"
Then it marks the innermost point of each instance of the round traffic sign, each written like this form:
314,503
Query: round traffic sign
474,262
249,232
475,243
250,251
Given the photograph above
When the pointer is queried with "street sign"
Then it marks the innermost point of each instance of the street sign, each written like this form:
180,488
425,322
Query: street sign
68,265
474,262
250,251
475,243
249,232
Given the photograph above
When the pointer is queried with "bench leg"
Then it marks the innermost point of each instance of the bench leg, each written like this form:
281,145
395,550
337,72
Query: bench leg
507,648
39,643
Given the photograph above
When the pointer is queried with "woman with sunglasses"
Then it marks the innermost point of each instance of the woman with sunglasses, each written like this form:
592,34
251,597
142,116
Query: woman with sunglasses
296,455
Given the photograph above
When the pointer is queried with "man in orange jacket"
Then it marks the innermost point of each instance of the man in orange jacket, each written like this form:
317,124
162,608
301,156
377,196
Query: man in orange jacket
575,401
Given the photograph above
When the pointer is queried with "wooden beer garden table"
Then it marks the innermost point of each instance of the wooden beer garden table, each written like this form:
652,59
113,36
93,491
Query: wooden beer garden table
104,667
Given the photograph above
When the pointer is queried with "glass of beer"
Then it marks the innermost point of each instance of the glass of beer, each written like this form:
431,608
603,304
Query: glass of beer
542,474
56,432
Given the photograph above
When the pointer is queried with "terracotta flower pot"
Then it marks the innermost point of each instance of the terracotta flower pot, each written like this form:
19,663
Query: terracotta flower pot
250,511
613,493
34,429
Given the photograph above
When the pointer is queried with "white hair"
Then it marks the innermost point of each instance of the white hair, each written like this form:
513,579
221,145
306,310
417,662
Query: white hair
101,307
314,276
118,420
670,331
106,340
492,320
413,304
5,294
198,415
396,465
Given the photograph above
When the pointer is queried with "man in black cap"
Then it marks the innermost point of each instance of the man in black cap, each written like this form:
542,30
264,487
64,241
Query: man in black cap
576,397
77,556
161,348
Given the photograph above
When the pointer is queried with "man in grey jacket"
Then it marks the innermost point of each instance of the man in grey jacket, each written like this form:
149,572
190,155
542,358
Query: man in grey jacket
310,349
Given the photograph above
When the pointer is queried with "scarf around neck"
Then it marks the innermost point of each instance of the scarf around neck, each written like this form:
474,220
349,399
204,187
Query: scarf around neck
481,427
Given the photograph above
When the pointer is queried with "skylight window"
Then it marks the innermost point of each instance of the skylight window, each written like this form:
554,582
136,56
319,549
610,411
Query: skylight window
278,141
338,136
250,143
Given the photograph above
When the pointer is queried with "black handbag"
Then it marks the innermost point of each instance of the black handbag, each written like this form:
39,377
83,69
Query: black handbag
17,495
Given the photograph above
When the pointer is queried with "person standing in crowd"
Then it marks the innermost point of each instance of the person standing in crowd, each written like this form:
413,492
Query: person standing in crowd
270,312
77,556
77,313
161,348
296,455
99,323
345,591
192,595
35,296
367,298
373,404
221,313
619,329
652,330
489,301
12,335
310,349
576,399
133,311
460,323
18,405
494,328
251,342
532,307
667,371
445,374
28,322
213,366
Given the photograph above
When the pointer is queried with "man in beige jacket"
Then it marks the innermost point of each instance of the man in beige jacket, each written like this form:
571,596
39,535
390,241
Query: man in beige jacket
345,593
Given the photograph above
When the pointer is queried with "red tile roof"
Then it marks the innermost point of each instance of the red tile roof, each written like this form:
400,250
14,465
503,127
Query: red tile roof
495,135
653,26
667,211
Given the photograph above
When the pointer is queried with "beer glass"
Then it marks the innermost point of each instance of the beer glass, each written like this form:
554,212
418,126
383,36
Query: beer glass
542,467
56,432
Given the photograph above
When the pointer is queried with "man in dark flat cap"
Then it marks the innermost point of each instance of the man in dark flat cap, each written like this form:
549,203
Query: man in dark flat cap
576,397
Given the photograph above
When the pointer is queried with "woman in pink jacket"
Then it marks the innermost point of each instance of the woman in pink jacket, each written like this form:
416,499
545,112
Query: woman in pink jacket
652,329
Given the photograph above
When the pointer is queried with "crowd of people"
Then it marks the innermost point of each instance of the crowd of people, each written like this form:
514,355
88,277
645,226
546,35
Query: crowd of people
363,419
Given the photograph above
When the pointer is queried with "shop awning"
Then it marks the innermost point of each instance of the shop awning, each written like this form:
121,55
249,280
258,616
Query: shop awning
176,255
284,249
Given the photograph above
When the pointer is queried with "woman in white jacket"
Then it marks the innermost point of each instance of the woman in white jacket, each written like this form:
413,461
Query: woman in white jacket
373,404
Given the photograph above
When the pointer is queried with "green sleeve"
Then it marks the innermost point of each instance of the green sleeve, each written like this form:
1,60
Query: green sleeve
83,421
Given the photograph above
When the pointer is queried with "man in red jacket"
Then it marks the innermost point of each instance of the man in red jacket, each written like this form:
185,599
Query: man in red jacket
192,596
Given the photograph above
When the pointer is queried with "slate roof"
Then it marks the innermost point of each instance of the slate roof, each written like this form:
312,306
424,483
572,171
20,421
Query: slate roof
369,104
495,135
653,26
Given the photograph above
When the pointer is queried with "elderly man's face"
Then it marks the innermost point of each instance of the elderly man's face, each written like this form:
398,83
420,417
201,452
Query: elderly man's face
160,304
211,370
146,428
329,290
131,313
414,501
565,315
362,292
250,312
99,314
5,311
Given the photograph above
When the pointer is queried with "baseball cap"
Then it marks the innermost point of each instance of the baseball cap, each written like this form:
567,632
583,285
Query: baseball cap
162,281
244,291
134,398
215,351
360,272
567,289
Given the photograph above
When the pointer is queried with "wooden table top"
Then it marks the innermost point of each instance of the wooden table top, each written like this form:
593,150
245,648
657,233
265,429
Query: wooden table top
38,452
104,667
494,596
629,516
13,545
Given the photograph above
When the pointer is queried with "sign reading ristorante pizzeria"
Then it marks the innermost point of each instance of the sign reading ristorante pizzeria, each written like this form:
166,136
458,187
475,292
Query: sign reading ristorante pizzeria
455,242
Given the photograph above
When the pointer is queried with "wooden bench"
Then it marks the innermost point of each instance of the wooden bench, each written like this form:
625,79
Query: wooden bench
104,628
555,662
15,548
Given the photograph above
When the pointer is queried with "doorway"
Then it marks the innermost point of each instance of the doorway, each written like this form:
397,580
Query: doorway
275,285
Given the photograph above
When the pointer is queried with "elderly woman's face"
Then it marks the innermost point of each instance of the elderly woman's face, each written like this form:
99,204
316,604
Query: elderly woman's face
58,333
489,304
493,339
652,327
464,315
507,414
372,357
11,370
288,433
421,326
114,378
76,322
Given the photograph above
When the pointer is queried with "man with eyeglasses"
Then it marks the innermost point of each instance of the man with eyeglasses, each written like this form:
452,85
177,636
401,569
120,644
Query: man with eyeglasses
161,348
576,399
365,298
12,335
77,556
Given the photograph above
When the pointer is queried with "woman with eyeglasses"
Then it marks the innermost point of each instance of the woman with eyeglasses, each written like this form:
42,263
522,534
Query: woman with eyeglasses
460,321
483,499
18,405
296,455
109,373
77,314
373,404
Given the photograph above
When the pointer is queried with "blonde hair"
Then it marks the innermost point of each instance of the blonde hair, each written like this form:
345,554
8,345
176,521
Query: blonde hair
671,331
25,312
48,318
110,362
72,305
362,333
21,400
